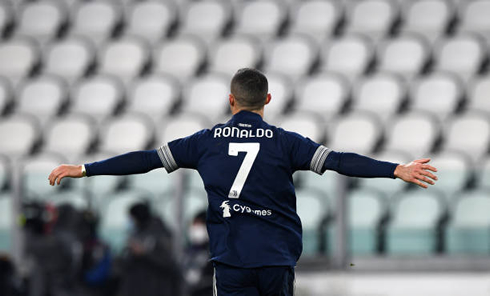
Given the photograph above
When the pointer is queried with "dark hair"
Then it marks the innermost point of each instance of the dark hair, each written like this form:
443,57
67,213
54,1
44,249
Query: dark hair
140,212
250,88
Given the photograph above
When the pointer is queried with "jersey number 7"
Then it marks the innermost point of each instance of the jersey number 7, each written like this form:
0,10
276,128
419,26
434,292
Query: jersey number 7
252,149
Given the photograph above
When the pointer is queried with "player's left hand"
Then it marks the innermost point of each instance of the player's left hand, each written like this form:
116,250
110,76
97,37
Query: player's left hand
417,172
64,170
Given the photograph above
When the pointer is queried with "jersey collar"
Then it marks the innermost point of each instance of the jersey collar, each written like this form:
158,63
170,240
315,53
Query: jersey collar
247,115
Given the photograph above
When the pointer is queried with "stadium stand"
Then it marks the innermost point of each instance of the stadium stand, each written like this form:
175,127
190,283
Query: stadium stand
179,127
11,127
5,18
455,172
311,208
262,19
75,198
282,88
478,92
5,172
194,201
18,58
306,124
483,181
34,171
474,17
6,220
6,95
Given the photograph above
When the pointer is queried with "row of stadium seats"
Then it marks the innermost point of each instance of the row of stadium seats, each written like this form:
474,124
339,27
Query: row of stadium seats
153,20
295,56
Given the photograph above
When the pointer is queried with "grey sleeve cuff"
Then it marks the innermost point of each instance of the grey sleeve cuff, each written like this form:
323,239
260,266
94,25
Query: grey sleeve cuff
319,158
167,158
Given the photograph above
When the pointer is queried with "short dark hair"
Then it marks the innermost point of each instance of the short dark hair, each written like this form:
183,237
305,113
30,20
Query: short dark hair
250,88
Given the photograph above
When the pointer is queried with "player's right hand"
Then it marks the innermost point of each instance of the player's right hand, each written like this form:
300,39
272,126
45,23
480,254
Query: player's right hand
64,170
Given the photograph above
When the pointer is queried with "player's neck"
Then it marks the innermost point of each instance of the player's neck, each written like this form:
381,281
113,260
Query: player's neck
260,112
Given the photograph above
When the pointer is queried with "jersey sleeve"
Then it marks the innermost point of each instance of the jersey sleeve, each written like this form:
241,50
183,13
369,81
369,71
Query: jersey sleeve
181,153
306,154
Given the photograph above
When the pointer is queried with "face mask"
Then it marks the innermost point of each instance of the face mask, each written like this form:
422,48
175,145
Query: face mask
198,234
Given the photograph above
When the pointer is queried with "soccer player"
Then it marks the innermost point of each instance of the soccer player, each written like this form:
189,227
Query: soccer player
247,167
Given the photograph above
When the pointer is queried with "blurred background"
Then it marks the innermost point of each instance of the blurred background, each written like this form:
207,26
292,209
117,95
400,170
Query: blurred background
397,80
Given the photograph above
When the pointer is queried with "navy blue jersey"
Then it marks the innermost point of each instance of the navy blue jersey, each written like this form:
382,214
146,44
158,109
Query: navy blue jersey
246,166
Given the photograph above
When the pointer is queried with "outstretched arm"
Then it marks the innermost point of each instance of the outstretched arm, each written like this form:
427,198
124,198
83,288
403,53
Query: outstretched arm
355,165
137,162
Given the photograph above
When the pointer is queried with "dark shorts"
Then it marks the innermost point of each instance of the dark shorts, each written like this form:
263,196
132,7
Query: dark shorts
261,281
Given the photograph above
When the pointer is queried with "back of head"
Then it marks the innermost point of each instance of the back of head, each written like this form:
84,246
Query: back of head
250,88
140,212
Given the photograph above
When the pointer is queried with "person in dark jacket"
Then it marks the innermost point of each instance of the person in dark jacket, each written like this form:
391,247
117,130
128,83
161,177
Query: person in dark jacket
149,265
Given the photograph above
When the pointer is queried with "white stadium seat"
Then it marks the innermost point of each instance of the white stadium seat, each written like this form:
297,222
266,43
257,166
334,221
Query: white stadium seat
206,19
35,173
474,17
124,58
17,59
262,19
453,171
306,124
462,55
10,129
324,94
406,55
349,55
373,18
59,136
438,94
414,133
42,97
207,95
280,88
292,56
181,57
41,20
356,132
96,20
97,96
478,94
233,53
315,18
382,94
69,58
127,133
311,208
154,96
151,20
6,94
429,18
180,126
468,133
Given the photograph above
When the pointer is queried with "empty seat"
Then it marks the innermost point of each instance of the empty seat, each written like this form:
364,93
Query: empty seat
194,201
155,96
18,57
280,88
413,133
439,94
406,55
96,20
179,127
324,94
462,55
453,171
158,182
97,96
71,136
474,17
373,18
6,95
468,133
311,208
35,173
261,19
483,179
126,133
365,212
69,58
234,53
18,135
316,18
41,20
350,55
306,124
355,132
115,217
467,232
382,94
42,97
6,222
292,56
151,20
478,94
206,19
428,18
207,95
414,223
124,58
180,57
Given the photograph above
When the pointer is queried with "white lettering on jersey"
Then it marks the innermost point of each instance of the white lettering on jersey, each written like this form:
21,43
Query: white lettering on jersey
235,132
